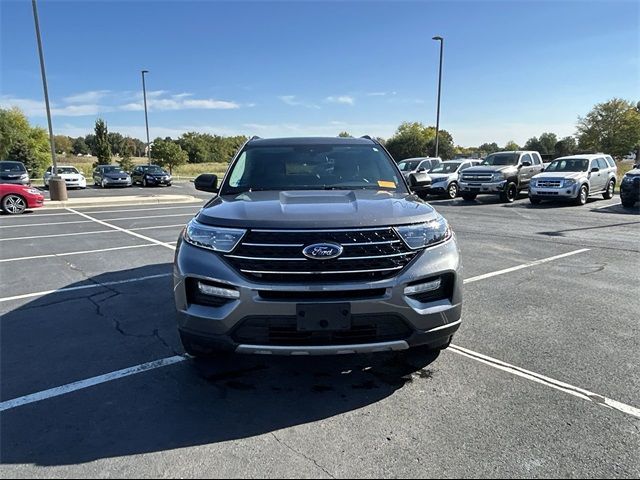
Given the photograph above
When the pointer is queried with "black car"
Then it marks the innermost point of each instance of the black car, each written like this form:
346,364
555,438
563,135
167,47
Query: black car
111,176
14,172
150,175
630,187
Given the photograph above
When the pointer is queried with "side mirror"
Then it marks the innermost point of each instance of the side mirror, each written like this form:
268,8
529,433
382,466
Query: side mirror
207,182
595,169
526,164
542,169
421,170
419,181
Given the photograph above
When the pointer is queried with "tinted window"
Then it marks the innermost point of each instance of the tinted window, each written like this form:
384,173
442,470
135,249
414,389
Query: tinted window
312,167
445,168
610,161
526,158
569,165
12,167
408,166
501,159
602,164
536,159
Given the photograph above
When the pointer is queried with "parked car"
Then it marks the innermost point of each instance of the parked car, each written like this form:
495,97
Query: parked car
72,177
14,172
15,198
111,176
630,187
575,178
444,177
502,173
151,175
315,246
419,164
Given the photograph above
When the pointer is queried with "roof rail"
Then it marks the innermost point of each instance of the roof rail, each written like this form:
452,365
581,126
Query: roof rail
255,137
368,137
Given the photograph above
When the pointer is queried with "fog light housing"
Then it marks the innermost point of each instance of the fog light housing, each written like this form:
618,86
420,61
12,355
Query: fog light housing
423,287
214,291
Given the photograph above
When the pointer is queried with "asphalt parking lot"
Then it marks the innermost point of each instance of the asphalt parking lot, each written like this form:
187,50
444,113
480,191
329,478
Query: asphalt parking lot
543,379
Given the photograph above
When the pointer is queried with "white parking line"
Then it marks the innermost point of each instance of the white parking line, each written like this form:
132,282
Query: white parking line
83,287
81,252
524,265
607,206
89,382
129,232
38,215
89,221
115,229
549,382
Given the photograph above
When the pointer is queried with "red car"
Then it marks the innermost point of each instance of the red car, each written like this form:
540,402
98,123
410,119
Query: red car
16,199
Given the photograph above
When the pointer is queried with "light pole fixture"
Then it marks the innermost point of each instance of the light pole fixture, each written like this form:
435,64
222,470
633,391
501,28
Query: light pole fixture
441,40
146,117
57,186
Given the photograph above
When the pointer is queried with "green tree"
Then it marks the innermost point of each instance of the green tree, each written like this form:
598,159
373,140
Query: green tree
115,142
80,146
102,148
566,146
611,127
345,135
63,144
125,161
168,153
446,148
545,145
19,141
90,140
410,140
196,145
487,148
510,146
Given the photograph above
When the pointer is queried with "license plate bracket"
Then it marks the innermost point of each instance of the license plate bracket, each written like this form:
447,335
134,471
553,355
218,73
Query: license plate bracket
319,317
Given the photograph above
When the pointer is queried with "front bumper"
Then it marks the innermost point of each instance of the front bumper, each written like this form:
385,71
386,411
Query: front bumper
486,187
117,183
565,193
16,181
215,327
437,188
158,181
630,191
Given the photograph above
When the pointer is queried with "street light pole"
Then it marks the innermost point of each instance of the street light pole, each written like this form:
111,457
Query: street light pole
441,40
146,117
57,186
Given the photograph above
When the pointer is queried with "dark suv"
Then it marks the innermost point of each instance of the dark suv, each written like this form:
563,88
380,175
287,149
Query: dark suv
315,246
501,173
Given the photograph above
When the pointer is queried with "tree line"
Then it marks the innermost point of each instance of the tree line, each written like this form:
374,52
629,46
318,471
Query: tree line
611,127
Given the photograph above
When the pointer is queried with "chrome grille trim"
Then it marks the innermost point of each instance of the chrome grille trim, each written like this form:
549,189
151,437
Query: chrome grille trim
338,272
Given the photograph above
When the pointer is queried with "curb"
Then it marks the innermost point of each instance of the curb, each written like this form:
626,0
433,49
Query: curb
115,201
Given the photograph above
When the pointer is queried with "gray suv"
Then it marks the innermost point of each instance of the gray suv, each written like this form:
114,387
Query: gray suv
575,178
315,246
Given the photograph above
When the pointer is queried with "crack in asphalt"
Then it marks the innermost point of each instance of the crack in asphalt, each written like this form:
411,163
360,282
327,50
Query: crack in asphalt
301,454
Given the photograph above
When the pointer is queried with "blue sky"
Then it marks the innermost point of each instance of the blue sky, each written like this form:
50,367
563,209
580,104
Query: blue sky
511,69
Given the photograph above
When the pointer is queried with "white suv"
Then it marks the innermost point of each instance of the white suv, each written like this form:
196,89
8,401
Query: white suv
575,178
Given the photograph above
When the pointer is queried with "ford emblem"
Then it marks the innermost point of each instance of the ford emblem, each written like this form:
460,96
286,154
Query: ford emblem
323,251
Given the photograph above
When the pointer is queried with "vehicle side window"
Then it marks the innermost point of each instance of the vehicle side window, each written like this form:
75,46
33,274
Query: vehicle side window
239,171
425,164
526,158
464,166
48,170
536,159
610,161
594,164
602,164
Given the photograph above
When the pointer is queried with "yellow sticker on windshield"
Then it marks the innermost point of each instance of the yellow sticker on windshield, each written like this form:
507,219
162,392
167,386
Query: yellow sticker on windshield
385,184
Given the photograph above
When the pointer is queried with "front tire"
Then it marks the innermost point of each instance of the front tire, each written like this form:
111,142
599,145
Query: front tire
145,183
469,197
608,194
583,195
510,193
14,204
628,203
452,190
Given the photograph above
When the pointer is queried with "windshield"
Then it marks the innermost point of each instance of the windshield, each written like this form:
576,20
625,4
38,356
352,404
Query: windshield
312,167
12,167
445,168
571,165
153,169
408,166
67,170
113,170
501,159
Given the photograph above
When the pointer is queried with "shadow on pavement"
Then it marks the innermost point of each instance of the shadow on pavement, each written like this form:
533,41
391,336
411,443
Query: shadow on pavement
62,338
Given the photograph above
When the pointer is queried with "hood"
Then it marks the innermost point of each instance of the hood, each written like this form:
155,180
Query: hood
565,175
315,209
633,173
116,175
490,169
157,174
69,175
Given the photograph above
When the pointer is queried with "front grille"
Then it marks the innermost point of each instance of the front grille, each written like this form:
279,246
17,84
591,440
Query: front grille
549,183
547,193
477,177
283,331
276,255
332,295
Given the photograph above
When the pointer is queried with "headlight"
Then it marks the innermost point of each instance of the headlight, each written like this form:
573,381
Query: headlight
33,191
425,234
568,182
497,177
213,238
24,176
440,180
